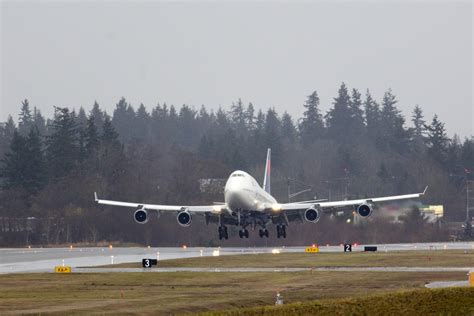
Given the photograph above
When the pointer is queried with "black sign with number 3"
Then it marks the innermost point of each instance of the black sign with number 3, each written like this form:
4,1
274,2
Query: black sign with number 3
148,263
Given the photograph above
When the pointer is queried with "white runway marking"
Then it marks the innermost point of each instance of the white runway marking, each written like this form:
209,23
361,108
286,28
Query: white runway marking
442,284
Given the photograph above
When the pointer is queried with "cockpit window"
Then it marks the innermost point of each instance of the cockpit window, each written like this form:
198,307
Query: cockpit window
237,175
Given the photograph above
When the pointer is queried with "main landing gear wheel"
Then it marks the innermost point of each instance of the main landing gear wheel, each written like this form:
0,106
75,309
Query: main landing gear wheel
263,232
243,233
223,232
281,231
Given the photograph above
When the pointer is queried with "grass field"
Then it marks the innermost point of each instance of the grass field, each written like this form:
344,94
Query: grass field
335,292
453,301
191,292
438,258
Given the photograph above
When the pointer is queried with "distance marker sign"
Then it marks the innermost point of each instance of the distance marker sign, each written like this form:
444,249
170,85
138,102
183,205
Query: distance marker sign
148,263
61,269
311,249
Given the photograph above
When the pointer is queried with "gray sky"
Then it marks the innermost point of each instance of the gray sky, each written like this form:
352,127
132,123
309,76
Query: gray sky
269,53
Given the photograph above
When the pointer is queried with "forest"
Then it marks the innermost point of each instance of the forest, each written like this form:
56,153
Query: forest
51,167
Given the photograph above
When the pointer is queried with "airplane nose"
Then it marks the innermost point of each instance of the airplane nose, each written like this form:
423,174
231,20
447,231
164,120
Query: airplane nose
234,198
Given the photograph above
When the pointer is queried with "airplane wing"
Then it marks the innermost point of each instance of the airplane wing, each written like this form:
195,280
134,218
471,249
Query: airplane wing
334,205
217,209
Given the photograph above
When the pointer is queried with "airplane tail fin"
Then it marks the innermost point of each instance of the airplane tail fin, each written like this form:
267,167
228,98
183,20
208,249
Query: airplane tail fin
266,178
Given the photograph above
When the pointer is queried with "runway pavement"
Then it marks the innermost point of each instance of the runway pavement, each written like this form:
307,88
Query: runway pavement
442,284
341,269
23,260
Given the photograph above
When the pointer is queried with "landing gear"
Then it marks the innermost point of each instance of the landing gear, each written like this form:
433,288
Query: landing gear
281,231
223,233
243,233
263,232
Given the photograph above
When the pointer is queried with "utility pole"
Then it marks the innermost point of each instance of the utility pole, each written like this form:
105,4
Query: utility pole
467,233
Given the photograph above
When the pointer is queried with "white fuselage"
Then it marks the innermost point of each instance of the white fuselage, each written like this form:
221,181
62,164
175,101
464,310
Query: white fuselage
243,193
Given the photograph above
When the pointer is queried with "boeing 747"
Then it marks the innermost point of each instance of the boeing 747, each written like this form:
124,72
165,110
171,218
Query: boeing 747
247,204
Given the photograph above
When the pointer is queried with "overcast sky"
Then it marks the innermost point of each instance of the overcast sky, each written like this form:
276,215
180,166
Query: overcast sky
212,53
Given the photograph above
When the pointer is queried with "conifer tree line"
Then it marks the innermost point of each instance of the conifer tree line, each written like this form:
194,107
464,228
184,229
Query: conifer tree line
361,147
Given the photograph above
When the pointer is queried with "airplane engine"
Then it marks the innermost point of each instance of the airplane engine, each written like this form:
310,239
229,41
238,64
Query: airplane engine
311,215
184,218
365,210
140,216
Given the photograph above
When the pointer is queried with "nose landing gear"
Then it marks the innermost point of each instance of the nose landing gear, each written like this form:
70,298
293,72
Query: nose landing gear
281,231
223,233
263,232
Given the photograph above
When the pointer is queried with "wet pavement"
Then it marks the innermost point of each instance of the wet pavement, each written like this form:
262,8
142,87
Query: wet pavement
25,260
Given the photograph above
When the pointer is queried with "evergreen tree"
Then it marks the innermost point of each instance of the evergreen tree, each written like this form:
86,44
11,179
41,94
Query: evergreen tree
23,166
311,126
288,129
419,129
453,155
25,121
81,119
35,167
62,144
250,116
109,136
113,161
467,155
204,118
437,140
372,115
98,115
222,121
39,121
238,117
356,113
186,127
159,116
338,119
393,135
142,131
123,119
260,121
272,134
10,129
13,164
91,138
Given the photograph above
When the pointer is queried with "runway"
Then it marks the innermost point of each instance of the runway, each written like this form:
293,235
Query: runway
242,270
24,260
443,284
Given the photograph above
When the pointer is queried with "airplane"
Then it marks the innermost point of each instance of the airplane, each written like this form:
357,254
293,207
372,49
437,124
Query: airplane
247,204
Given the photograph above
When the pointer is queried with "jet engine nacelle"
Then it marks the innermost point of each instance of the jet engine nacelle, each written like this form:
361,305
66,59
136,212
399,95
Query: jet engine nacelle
184,218
365,210
311,215
141,216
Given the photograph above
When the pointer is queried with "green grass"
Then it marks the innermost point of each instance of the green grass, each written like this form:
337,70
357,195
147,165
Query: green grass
451,301
140,293
438,258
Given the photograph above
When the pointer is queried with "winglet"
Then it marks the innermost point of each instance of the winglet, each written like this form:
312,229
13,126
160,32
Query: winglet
424,191
95,197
